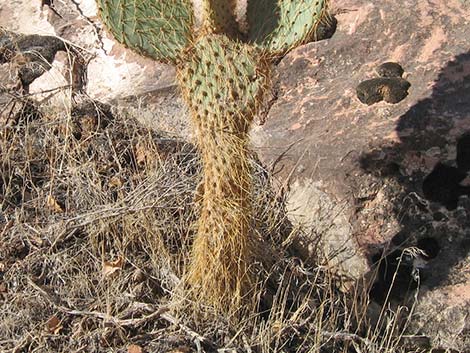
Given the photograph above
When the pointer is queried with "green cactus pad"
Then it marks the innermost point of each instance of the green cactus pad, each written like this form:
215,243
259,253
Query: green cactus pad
223,81
279,25
160,29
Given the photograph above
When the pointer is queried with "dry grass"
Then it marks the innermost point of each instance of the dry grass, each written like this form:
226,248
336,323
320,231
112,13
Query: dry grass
96,225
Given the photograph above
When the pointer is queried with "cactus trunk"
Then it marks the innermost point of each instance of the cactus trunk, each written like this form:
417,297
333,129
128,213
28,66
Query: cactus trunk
222,82
222,251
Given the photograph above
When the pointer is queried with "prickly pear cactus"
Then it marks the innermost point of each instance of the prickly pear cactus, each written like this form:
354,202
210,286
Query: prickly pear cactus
223,81
159,29
280,25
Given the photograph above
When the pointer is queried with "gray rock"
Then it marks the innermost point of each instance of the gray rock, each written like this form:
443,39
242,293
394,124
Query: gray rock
442,312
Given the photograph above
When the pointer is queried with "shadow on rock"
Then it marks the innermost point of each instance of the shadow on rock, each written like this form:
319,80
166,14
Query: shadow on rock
431,161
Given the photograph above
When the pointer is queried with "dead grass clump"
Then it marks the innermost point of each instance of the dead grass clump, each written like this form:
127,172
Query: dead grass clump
95,218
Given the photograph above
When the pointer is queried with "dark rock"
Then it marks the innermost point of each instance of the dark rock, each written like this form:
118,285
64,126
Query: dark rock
370,91
389,69
391,90
33,54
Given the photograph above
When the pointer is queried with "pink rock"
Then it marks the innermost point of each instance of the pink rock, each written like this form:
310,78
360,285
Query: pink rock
355,171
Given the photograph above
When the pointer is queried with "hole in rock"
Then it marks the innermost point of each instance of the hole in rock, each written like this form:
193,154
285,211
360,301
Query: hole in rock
395,277
463,152
439,217
442,185
430,246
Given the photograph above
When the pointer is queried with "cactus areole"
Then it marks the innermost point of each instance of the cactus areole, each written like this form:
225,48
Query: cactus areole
223,75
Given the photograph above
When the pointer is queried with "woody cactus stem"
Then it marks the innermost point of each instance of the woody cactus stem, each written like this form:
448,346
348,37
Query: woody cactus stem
222,82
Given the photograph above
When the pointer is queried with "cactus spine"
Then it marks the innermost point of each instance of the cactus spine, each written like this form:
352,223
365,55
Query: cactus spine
222,81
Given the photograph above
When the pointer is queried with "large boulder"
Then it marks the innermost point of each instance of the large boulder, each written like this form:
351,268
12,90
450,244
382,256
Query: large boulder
381,179
95,63
112,70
